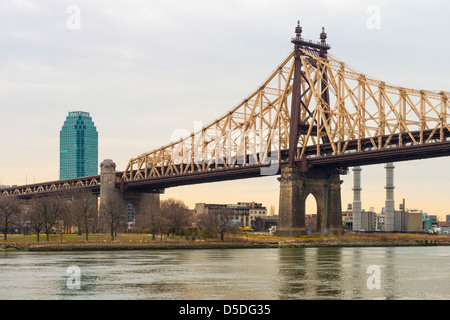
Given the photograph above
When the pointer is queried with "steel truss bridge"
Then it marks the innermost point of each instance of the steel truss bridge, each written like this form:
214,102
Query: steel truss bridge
312,111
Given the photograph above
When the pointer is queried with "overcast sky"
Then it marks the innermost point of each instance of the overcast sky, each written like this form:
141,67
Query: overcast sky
146,68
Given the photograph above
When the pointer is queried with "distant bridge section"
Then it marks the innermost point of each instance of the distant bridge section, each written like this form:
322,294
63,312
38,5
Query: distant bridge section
60,186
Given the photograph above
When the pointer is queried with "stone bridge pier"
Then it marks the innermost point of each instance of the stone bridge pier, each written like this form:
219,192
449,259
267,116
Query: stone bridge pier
295,186
143,202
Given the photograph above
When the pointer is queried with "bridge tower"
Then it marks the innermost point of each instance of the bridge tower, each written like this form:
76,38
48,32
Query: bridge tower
142,201
296,186
297,182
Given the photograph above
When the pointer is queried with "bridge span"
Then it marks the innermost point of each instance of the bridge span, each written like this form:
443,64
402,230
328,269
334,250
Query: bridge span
308,122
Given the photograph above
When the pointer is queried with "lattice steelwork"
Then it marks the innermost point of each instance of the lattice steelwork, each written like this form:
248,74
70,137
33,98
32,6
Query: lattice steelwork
241,137
342,111
92,182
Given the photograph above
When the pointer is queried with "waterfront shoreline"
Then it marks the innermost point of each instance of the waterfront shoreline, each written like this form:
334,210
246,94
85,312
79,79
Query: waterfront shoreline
161,245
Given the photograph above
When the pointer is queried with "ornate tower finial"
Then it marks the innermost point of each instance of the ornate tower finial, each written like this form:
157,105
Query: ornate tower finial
298,30
323,36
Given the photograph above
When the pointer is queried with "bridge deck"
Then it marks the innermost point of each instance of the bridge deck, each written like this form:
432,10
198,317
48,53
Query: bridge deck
391,152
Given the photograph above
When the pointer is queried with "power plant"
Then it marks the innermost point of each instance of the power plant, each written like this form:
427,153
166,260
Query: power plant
402,220
357,199
390,204
364,221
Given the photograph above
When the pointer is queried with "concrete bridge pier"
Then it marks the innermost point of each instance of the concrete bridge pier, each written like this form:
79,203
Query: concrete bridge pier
143,202
295,186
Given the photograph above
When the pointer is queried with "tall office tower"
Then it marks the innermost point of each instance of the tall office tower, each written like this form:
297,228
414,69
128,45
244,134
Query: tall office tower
78,146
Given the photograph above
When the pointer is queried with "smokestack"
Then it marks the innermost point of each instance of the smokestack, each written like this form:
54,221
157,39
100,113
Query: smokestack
356,199
390,204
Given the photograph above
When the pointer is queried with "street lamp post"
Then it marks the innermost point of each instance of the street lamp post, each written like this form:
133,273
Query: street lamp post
26,178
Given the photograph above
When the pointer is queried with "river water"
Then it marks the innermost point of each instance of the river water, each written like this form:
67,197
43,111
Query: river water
240,274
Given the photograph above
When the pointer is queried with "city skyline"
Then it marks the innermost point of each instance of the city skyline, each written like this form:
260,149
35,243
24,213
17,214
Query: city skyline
148,70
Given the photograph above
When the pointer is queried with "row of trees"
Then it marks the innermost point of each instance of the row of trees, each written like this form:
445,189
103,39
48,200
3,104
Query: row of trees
174,216
80,208
44,214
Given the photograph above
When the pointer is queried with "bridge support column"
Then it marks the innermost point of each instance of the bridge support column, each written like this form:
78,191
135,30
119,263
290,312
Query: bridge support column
291,216
143,202
295,186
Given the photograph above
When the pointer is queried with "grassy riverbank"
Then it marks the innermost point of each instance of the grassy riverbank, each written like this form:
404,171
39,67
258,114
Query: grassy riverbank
129,241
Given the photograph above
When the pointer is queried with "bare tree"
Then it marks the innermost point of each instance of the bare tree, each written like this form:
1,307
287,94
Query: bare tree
218,220
177,213
45,212
34,215
56,208
112,213
153,222
258,223
164,225
84,208
67,219
9,210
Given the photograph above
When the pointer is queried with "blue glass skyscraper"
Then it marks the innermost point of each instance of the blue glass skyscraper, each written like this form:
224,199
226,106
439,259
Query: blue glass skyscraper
78,146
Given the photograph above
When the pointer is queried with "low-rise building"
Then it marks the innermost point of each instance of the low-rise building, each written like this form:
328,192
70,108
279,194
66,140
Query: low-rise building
347,216
255,210
246,213
311,222
409,221
369,221
414,221
241,213
433,219
426,223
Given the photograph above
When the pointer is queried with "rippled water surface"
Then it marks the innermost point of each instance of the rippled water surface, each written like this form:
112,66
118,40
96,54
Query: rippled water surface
243,274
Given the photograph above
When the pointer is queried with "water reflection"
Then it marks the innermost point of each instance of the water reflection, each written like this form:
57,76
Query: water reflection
242,274
390,276
310,273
